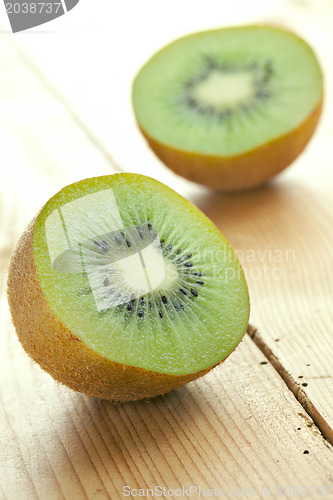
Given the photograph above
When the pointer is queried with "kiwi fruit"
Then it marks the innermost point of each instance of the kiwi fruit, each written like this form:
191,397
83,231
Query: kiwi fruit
230,108
122,289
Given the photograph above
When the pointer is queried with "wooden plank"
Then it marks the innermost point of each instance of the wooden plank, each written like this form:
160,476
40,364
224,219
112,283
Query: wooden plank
238,428
282,233
285,247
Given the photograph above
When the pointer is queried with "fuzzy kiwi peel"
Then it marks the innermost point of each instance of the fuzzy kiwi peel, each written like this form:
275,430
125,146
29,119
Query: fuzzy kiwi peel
57,324
230,108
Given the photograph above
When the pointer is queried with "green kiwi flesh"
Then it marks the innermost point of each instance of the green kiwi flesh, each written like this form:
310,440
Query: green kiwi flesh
224,95
133,272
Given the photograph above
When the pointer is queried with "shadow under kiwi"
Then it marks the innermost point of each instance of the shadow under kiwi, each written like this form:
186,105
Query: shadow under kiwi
266,213
146,436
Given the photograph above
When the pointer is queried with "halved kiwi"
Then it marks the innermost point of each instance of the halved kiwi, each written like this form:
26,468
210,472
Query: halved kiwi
122,289
230,108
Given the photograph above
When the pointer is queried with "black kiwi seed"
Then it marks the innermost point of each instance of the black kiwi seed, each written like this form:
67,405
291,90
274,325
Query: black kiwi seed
106,282
160,313
210,63
262,94
182,291
140,232
142,301
128,243
206,110
200,282
140,313
164,299
179,251
97,243
191,102
194,292
266,77
245,109
123,234
196,273
182,307
118,240
129,306
149,226
223,115
189,255
254,66
209,110
189,264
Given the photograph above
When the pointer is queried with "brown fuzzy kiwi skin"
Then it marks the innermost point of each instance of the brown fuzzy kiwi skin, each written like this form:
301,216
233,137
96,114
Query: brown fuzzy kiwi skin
239,172
63,355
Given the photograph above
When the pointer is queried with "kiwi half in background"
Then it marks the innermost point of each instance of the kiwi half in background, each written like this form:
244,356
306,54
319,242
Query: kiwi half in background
122,289
230,108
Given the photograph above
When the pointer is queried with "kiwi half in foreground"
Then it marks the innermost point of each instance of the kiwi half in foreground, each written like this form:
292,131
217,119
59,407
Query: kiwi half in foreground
122,289
230,108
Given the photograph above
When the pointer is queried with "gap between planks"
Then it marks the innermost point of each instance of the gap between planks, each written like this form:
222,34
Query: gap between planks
292,384
295,387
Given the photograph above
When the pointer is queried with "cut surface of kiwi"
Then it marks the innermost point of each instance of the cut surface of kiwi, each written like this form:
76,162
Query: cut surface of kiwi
232,107
118,279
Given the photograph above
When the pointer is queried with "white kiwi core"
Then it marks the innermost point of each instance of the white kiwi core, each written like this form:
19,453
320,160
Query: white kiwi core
222,90
145,271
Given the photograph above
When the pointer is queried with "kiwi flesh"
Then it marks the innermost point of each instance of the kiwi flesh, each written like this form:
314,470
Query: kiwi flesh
122,289
230,108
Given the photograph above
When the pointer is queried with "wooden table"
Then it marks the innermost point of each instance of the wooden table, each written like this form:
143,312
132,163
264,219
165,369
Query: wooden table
261,425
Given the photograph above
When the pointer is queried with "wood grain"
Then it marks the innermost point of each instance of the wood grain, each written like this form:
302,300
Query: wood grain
285,249
282,233
238,428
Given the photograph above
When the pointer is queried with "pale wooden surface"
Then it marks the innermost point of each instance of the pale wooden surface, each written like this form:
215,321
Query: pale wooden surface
240,427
